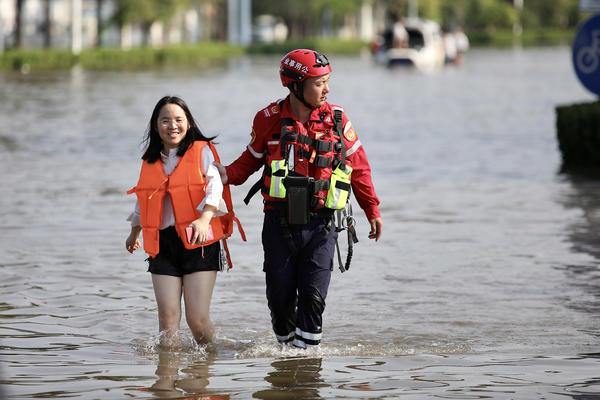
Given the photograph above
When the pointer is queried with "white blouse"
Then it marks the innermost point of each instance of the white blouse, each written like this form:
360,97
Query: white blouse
214,189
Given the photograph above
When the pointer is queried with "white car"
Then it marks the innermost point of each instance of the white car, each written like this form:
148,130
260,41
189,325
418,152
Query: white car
425,46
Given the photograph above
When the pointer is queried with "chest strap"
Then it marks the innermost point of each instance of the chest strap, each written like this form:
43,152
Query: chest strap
319,145
337,117
288,135
315,159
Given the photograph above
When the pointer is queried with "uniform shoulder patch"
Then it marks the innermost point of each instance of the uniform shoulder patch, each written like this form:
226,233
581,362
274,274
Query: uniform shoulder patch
271,109
349,133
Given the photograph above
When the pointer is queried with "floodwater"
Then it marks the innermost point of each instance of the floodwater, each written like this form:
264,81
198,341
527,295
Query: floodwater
486,283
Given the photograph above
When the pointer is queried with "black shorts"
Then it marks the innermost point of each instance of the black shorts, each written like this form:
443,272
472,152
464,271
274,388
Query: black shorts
175,260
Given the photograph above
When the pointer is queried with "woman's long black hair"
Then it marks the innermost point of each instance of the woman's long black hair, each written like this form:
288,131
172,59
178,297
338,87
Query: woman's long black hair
154,144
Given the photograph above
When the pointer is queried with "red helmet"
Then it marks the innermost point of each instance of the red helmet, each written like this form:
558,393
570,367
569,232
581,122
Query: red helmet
297,65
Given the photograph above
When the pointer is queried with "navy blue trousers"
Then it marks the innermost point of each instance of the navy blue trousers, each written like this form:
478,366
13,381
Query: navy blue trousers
297,285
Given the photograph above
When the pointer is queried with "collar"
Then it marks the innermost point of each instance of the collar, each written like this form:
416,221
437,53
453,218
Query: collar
315,114
172,154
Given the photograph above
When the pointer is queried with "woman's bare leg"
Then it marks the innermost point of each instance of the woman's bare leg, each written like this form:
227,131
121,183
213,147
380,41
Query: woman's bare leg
167,290
197,293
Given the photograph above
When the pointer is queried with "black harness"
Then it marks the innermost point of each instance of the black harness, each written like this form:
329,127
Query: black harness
345,221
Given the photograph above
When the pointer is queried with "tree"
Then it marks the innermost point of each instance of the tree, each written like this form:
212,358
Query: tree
99,22
47,27
557,13
145,13
490,15
18,24
305,18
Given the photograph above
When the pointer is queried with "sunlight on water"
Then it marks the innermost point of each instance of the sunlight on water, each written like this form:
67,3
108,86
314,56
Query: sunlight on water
485,284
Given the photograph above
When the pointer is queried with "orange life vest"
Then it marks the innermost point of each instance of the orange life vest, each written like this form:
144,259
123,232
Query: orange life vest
186,186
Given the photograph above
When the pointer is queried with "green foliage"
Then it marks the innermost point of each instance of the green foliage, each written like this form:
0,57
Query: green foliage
530,37
305,18
482,19
142,58
145,12
489,15
117,59
556,13
326,46
37,59
431,9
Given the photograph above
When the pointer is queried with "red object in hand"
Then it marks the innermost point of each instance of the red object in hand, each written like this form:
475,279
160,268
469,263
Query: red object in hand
189,232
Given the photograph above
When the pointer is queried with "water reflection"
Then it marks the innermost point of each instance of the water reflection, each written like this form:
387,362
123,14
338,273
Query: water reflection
293,379
466,163
584,234
193,379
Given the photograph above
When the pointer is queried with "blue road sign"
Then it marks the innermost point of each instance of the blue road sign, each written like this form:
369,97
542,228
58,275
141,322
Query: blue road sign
586,54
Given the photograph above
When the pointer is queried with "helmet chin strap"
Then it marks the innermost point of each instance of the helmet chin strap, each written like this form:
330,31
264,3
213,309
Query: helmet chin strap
297,89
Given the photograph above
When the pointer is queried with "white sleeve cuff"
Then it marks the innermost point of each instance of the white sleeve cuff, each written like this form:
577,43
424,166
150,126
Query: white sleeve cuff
134,217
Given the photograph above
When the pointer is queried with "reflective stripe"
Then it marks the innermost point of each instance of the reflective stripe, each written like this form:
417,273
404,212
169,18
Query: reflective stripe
285,338
278,174
336,197
302,344
299,343
254,153
271,142
308,335
353,149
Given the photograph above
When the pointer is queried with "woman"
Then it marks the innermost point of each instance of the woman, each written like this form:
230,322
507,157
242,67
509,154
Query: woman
180,199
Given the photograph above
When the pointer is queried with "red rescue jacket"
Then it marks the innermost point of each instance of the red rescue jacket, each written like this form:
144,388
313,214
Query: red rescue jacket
265,146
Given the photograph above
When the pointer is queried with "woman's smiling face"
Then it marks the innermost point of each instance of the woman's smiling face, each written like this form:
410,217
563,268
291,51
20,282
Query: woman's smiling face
172,126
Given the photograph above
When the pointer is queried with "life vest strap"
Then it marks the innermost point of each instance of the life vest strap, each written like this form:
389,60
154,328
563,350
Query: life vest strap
287,135
227,255
317,160
231,213
253,190
321,146
345,221
239,225
337,117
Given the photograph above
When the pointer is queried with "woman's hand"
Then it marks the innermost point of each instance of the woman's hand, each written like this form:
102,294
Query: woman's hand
222,172
133,240
200,231
376,228
201,226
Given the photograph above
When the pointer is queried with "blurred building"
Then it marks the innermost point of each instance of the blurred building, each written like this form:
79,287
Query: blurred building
33,22
192,25
81,24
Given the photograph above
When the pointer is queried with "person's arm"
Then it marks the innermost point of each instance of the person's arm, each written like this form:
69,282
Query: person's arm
362,183
240,170
201,225
364,192
132,243
252,158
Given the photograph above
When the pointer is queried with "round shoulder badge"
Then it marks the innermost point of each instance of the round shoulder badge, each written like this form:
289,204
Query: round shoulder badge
586,54
349,133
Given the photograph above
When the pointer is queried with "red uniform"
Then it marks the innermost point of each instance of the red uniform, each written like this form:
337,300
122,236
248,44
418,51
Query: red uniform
266,131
